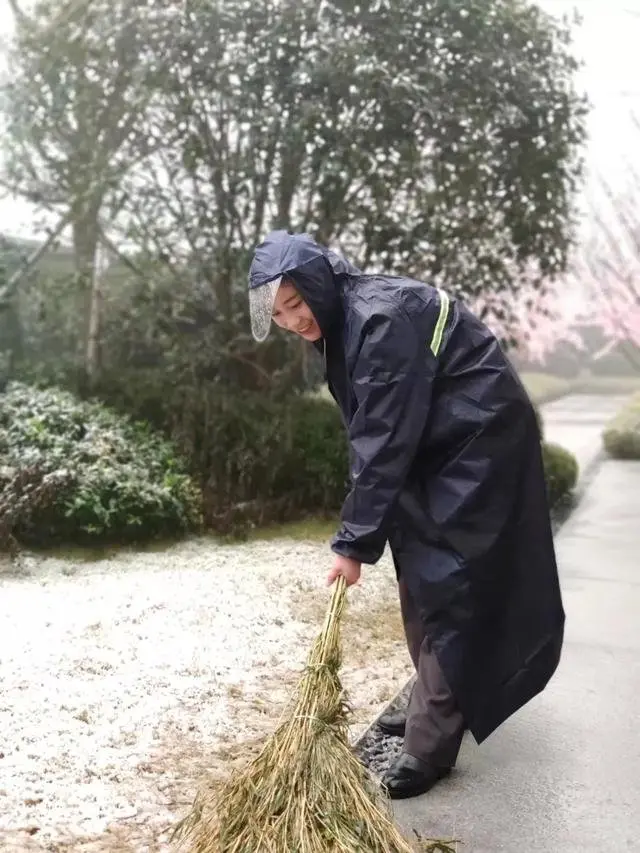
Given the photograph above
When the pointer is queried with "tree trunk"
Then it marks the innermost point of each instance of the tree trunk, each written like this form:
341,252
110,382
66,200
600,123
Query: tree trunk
11,342
8,290
85,245
92,359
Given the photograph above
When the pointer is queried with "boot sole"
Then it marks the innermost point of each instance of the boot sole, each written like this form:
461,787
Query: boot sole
409,793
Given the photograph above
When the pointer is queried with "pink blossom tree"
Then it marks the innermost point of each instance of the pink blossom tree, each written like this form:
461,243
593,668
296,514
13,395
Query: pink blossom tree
610,269
537,317
600,288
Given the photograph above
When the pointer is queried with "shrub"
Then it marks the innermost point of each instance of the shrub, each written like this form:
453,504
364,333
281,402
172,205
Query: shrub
622,436
256,459
280,461
24,491
116,479
561,472
270,461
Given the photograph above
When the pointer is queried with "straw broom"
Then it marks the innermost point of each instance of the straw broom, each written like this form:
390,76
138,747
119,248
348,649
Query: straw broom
306,792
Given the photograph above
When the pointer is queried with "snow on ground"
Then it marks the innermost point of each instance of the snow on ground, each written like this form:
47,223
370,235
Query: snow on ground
127,682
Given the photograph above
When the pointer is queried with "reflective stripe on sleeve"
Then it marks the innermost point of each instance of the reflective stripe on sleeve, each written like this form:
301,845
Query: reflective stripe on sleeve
436,340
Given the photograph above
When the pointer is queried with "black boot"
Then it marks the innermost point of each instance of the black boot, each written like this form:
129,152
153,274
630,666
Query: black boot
410,777
393,723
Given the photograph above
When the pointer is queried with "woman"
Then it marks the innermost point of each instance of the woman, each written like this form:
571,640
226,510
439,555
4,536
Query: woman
445,466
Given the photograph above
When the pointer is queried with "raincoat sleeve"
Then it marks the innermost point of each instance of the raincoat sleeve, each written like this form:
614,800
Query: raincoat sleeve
392,381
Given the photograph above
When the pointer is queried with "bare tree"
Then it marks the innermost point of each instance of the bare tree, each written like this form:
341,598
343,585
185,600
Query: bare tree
611,264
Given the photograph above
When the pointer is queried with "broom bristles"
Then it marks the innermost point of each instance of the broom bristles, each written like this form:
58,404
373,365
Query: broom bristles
305,792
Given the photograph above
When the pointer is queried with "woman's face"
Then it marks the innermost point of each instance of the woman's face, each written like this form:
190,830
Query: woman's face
292,313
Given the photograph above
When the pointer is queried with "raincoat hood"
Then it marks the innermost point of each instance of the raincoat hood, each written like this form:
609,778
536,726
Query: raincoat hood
317,273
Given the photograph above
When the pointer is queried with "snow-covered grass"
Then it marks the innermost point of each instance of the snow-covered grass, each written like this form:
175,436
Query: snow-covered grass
128,681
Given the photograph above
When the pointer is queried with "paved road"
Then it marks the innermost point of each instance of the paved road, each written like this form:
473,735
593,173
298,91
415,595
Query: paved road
563,775
576,422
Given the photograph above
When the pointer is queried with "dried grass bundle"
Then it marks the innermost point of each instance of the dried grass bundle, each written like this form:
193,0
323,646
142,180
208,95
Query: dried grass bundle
306,792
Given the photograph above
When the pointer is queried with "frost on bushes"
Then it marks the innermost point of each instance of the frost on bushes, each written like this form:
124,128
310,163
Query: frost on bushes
24,491
114,479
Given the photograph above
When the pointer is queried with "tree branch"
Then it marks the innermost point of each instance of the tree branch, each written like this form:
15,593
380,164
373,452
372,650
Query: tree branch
111,246
10,287
20,17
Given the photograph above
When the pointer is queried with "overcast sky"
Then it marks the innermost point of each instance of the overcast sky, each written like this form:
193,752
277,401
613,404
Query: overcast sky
607,40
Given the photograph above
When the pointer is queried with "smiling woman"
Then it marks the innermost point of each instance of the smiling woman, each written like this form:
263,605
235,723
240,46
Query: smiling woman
446,467
280,301
292,313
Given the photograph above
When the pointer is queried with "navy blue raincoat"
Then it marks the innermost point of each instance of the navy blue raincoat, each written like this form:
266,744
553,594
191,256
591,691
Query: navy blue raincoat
445,466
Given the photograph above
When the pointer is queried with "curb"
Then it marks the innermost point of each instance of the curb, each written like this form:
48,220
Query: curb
587,477
392,704
584,481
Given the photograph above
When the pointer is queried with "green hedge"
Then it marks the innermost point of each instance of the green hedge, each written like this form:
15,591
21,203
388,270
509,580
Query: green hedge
561,472
621,438
263,461
269,461
75,471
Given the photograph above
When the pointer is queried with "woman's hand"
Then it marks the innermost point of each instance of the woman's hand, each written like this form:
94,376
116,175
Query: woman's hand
345,566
